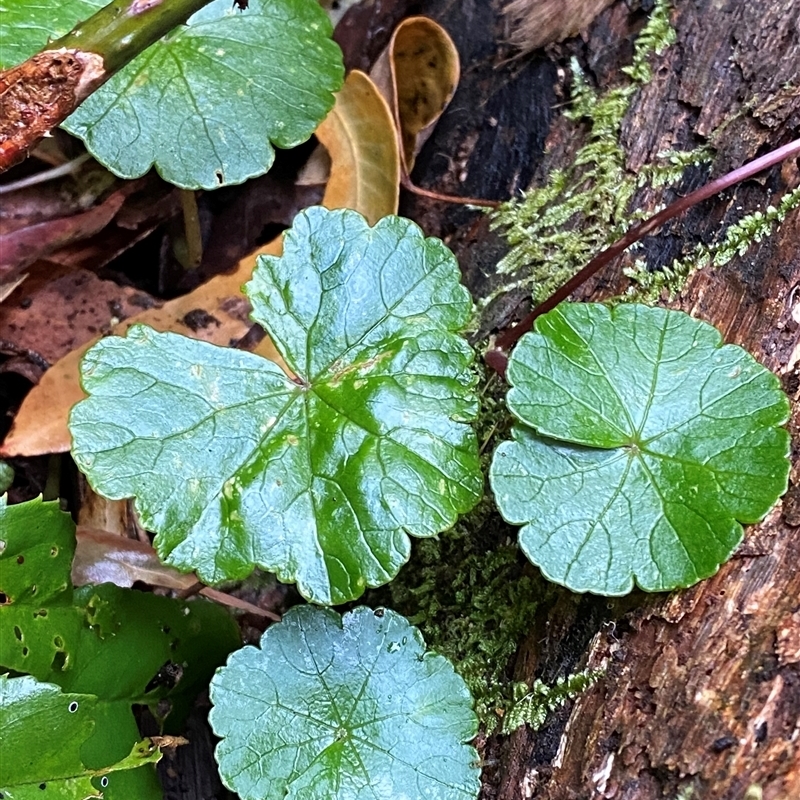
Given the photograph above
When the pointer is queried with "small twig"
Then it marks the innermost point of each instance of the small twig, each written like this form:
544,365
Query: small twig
234,602
408,185
497,359
190,591
45,175
488,438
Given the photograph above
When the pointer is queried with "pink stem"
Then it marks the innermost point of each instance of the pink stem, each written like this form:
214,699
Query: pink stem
497,359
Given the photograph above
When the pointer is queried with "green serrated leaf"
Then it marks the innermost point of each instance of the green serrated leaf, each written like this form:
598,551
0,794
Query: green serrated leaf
666,441
343,708
119,645
205,104
318,478
42,732
44,736
37,543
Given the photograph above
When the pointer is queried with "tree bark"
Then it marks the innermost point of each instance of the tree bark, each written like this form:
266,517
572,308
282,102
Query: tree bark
701,693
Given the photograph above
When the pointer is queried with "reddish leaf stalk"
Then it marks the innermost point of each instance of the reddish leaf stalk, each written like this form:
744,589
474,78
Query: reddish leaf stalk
497,357
410,186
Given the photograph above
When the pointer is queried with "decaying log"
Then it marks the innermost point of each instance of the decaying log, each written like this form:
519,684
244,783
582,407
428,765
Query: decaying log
701,696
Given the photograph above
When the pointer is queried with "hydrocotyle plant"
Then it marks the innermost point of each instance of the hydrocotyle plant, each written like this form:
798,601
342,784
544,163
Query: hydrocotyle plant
317,473
642,445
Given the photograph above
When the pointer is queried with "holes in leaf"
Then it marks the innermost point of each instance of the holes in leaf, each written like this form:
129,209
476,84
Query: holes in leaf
72,707
25,652
20,559
167,676
18,633
59,662
42,612
33,588
4,601
219,176
53,551
42,786
2,550
58,642
104,781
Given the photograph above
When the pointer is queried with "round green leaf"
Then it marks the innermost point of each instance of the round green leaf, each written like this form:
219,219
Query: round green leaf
318,478
346,709
203,104
646,442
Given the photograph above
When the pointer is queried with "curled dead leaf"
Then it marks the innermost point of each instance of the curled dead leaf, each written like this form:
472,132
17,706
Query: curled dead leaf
417,74
359,136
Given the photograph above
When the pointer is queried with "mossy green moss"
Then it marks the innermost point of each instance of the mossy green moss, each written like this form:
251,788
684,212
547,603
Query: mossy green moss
649,286
470,590
531,704
474,601
555,229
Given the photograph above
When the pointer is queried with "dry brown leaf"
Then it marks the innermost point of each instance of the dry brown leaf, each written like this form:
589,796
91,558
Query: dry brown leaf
102,557
24,245
41,422
359,136
86,304
40,425
417,74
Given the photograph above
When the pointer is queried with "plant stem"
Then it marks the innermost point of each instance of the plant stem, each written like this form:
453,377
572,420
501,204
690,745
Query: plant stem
497,357
192,234
121,30
43,91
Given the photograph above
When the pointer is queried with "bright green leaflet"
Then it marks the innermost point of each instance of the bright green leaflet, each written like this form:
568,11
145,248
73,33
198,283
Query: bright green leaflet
348,708
204,104
318,479
645,443
117,644
42,732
